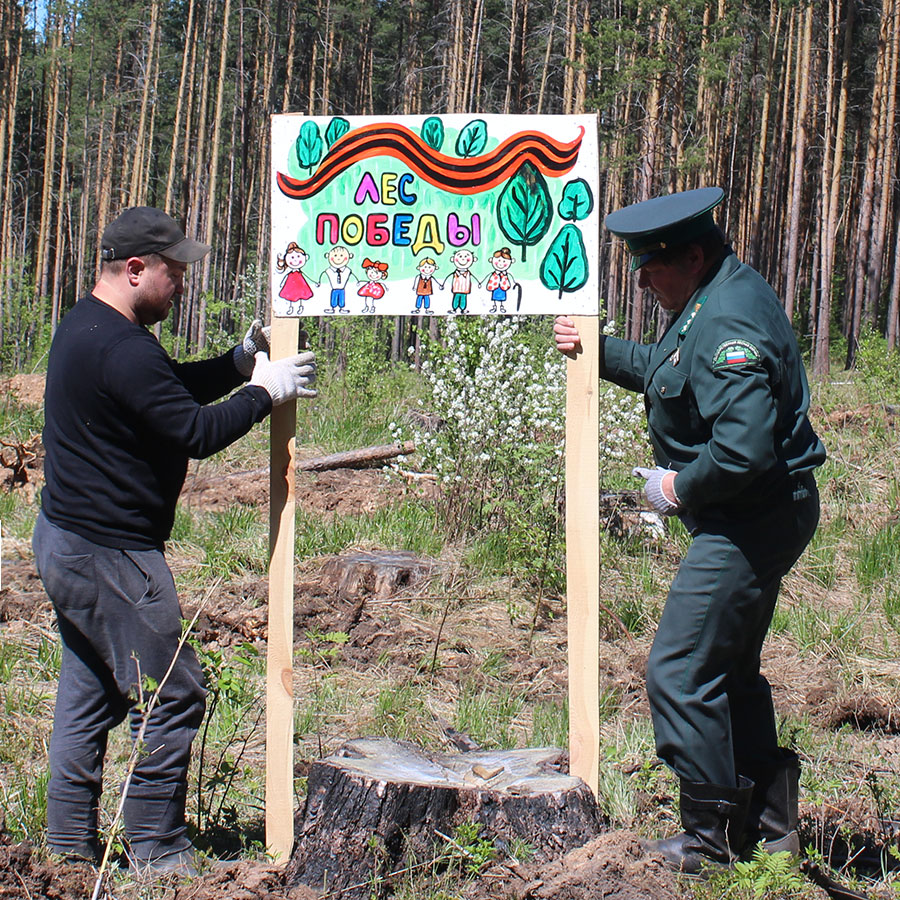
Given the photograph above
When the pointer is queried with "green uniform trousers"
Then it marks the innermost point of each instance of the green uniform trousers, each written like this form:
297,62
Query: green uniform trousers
712,709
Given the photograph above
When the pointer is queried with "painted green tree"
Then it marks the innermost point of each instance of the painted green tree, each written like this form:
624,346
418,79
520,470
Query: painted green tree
309,145
525,208
577,201
433,132
336,129
565,267
472,139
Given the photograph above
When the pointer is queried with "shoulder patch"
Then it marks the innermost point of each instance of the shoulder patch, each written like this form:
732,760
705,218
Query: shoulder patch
735,353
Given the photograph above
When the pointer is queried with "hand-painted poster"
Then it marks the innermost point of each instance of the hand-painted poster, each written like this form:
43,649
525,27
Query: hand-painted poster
434,215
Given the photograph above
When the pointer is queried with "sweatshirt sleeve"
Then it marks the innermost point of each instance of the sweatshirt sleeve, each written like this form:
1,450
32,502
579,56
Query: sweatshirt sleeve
146,384
209,379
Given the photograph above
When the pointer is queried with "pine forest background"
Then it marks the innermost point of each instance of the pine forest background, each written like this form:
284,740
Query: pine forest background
791,106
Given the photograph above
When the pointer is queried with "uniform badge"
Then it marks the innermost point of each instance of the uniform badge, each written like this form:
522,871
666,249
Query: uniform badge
735,353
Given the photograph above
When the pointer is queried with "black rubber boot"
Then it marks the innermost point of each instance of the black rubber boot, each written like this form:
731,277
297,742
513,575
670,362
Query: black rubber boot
772,816
713,817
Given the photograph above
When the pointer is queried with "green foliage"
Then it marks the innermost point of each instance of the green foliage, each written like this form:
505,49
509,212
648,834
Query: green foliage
820,558
524,207
498,462
879,368
24,804
769,872
472,139
24,323
433,132
565,267
324,648
233,712
409,525
550,724
468,850
400,711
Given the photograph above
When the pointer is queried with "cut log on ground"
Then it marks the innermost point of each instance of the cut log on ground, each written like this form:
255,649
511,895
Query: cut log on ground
357,459
378,806
381,574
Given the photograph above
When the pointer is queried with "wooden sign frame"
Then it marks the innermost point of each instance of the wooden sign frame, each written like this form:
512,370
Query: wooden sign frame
306,145
280,642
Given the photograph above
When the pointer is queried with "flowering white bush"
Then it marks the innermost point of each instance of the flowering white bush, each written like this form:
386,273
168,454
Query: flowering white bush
493,396
498,393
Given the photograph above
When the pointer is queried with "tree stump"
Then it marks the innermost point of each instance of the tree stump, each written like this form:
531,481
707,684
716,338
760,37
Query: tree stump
376,806
381,573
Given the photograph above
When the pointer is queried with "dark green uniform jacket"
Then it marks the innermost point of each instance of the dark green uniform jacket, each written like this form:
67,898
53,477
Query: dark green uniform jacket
726,395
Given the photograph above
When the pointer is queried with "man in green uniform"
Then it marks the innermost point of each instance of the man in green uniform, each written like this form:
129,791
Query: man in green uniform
726,398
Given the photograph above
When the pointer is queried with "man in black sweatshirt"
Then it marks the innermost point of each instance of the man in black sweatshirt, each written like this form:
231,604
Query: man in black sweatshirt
121,421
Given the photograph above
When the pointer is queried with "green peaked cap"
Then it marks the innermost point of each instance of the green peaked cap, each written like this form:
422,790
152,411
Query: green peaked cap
664,222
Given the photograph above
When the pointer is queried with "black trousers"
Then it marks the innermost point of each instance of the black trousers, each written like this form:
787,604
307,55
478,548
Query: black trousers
711,708
120,621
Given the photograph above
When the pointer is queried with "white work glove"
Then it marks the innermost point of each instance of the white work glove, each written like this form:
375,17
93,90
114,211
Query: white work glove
285,379
256,339
654,490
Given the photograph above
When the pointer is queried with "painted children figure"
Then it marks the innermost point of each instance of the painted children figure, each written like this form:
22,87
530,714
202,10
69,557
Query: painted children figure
424,286
339,277
461,280
500,280
373,289
294,288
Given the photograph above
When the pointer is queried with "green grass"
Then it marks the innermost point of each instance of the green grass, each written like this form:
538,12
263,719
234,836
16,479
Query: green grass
409,525
877,556
399,712
24,796
550,724
487,714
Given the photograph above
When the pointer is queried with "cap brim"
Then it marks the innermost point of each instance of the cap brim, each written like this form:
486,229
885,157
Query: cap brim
186,251
641,259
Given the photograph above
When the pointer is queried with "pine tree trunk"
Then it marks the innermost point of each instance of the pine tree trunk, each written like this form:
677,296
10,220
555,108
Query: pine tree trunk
831,189
762,146
42,265
798,156
864,228
885,166
184,97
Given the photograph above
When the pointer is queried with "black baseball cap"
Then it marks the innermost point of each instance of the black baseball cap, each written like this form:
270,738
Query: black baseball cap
664,222
142,230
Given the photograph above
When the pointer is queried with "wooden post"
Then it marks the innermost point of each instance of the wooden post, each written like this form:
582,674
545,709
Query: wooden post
279,662
583,552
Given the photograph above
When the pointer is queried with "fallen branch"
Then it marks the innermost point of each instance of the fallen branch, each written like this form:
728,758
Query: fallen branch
356,459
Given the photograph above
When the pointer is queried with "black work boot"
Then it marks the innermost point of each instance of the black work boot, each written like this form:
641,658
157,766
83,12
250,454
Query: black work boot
157,834
772,816
150,859
713,818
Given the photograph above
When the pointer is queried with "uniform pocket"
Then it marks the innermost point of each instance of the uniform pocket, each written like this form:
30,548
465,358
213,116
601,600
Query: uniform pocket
673,410
668,383
71,580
